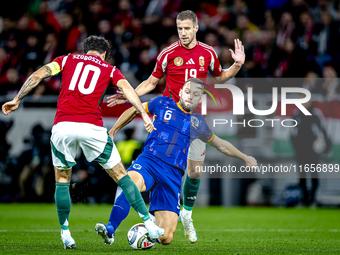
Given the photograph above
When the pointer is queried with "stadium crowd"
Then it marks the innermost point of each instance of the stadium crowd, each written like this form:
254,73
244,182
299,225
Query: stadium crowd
282,38
285,38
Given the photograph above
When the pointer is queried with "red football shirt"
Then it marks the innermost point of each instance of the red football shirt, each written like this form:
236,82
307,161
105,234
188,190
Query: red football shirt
180,64
85,79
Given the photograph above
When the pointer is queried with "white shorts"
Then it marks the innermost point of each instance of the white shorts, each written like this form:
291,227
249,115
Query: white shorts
197,150
94,141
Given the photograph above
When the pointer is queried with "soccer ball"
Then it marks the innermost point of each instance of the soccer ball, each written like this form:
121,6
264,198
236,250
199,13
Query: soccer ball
138,237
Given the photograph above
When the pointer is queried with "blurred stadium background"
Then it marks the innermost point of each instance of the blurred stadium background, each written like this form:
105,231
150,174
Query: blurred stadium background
283,39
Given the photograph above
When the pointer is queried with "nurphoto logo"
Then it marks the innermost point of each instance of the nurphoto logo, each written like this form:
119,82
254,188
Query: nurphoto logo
238,105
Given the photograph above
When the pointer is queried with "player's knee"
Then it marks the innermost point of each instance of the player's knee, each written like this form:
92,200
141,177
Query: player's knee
63,175
194,169
193,174
166,239
117,172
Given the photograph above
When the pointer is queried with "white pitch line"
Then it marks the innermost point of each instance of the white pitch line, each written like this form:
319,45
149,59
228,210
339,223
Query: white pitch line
47,230
268,230
212,230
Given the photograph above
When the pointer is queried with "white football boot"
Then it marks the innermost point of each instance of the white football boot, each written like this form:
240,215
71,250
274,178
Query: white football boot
153,229
102,231
189,230
67,239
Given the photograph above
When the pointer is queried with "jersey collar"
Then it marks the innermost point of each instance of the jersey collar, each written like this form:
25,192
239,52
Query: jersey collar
94,54
180,107
180,43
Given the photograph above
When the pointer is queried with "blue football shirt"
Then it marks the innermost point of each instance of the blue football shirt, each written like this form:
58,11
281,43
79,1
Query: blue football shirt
176,129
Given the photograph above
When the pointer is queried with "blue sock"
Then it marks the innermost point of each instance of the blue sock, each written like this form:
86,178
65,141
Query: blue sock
120,211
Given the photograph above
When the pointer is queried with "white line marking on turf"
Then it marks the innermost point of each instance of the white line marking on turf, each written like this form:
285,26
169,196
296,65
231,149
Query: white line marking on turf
213,230
268,230
48,230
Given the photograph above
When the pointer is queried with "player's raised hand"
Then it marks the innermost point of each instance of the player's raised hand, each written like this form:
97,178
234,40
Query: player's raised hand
251,161
10,106
239,56
116,99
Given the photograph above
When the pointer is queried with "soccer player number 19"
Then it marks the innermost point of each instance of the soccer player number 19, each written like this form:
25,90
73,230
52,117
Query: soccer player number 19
191,72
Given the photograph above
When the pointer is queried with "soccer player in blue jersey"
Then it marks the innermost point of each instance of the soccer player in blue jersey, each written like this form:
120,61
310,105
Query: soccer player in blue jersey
163,161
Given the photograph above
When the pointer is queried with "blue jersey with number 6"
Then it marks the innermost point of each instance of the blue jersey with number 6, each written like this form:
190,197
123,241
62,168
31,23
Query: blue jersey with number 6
176,129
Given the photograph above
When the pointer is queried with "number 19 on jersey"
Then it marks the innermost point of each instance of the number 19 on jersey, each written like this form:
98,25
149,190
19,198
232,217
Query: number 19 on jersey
190,73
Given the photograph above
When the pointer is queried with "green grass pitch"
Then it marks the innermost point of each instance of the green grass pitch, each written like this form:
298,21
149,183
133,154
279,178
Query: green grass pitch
34,229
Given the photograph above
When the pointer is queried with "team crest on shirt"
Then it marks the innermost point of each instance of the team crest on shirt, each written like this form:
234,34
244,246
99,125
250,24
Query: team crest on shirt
137,166
194,122
201,60
178,61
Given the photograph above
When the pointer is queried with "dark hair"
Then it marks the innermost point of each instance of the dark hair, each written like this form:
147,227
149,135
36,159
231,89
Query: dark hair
196,81
188,15
97,43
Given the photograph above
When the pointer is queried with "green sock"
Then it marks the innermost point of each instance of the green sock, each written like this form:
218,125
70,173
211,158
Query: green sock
63,202
134,197
190,190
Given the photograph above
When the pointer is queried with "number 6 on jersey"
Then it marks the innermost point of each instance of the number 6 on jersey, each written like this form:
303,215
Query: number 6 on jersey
167,115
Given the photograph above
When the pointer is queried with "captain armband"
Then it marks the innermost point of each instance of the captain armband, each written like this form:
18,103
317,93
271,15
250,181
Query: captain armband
55,68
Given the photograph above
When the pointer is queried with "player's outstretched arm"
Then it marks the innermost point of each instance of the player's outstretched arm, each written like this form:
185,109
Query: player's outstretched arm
144,88
230,150
123,120
131,95
239,58
29,84
147,86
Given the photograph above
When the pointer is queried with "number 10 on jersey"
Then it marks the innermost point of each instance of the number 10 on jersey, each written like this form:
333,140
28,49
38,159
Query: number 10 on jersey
190,73
83,78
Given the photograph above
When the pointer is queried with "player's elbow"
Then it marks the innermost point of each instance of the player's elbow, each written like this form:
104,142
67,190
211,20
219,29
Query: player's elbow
152,82
37,75
152,86
226,152
166,239
219,79
223,149
124,86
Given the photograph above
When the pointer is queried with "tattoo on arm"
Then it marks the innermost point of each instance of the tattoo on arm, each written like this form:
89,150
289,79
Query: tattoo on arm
26,88
32,81
48,71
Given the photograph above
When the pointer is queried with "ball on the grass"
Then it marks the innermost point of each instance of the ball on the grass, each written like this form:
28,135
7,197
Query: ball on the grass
138,237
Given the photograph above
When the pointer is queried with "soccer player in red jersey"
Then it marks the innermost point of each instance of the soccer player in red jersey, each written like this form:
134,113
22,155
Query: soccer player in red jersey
78,123
182,60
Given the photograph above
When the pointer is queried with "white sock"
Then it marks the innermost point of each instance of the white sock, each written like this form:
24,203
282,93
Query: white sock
152,217
148,223
186,213
65,232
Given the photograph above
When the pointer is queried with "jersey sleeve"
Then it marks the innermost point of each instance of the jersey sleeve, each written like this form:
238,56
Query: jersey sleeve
153,104
160,67
60,61
207,135
215,68
116,75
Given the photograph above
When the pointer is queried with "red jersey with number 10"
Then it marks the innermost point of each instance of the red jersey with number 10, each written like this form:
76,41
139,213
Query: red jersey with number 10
180,64
85,79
